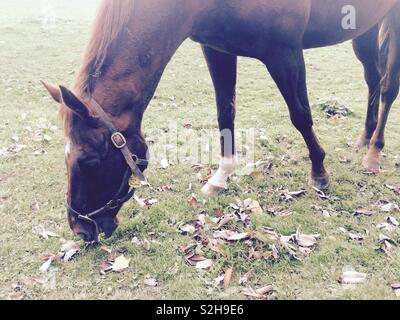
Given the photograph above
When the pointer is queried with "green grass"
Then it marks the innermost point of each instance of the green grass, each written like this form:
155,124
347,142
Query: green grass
32,187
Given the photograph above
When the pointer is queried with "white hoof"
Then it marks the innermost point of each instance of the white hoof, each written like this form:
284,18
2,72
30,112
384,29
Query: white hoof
211,190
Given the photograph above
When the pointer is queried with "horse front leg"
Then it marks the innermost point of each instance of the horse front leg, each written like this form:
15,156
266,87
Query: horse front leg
287,67
223,70
366,49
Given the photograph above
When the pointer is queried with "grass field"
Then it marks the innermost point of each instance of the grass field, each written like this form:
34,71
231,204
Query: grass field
33,180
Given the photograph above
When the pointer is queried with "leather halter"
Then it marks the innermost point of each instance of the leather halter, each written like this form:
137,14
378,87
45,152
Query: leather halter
133,177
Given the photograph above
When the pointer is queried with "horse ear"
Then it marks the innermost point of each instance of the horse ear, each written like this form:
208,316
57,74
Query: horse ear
53,90
71,101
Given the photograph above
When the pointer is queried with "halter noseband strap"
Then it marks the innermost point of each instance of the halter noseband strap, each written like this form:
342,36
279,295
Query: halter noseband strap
133,177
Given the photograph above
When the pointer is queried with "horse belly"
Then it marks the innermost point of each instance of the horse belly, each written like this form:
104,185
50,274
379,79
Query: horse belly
250,28
328,20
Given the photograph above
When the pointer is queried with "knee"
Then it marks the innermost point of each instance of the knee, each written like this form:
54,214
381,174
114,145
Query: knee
302,119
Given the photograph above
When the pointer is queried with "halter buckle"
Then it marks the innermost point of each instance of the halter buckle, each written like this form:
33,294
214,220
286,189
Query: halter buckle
118,140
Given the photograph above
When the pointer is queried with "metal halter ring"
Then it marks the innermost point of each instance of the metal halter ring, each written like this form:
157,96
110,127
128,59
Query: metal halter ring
118,140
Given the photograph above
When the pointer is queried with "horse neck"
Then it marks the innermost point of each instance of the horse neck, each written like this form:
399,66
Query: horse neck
138,60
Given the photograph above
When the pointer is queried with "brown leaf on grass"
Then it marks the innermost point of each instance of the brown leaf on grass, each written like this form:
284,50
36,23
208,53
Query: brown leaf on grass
279,212
146,203
393,221
106,249
146,244
219,212
225,220
386,206
118,265
386,244
344,159
214,247
258,294
305,240
198,166
167,188
383,238
46,234
186,248
321,194
193,202
203,178
198,261
218,280
228,277
250,205
12,150
353,236
46,265
239,236
258,169
151,282
395,189
246,277
187,229
205,264
363,212
68,250
352,277
390,225
164,163
286,195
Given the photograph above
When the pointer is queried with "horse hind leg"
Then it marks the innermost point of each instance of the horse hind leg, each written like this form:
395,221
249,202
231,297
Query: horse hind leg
287,67
390,89
366,49
223,70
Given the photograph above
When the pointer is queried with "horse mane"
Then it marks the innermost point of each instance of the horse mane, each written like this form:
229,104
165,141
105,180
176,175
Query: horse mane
112,18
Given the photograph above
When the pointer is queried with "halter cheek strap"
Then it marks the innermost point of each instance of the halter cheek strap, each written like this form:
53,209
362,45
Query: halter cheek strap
119,141
134,177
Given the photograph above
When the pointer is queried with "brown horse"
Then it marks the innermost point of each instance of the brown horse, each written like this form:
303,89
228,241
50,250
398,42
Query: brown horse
131,44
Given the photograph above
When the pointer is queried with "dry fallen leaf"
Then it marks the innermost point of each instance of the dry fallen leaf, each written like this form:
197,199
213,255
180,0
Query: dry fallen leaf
246,277
228,277
251,206
146,203
259,294
353,236
68,250
390,225
239,237
363,212
120,264
187,229
205,264
45,234
286,195
396,189
150,282
193,202
164,163
306,241
352,277
45,266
